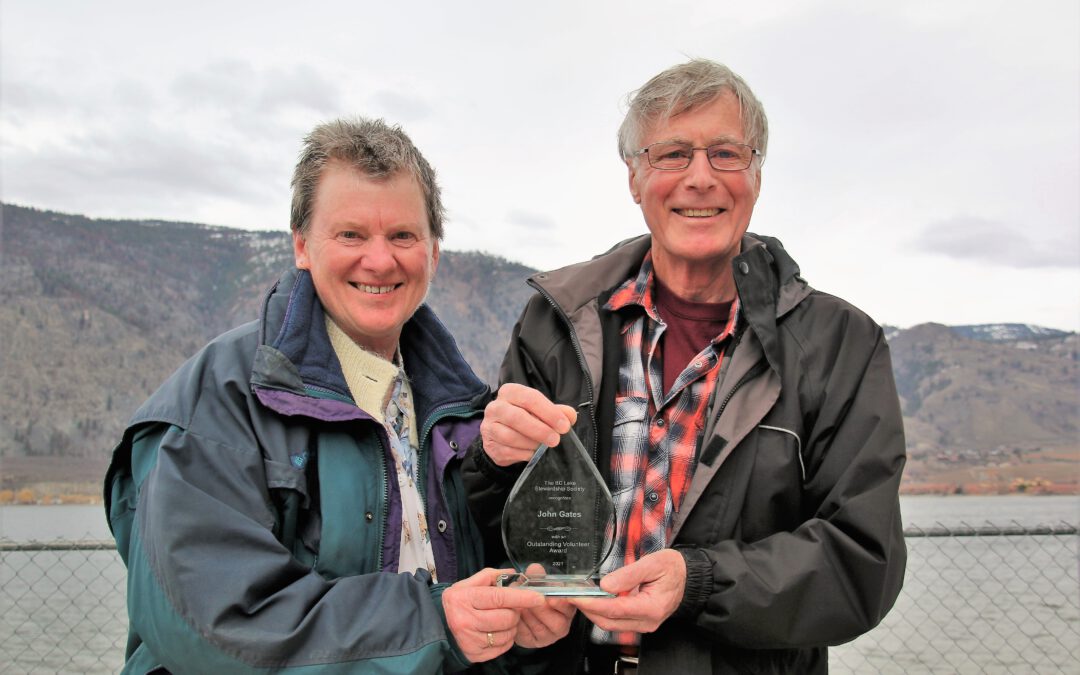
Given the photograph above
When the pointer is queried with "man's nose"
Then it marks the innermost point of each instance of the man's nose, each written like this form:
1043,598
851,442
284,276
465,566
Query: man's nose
378,255
700,173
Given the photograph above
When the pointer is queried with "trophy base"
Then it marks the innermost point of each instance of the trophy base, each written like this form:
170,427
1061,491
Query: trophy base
565,585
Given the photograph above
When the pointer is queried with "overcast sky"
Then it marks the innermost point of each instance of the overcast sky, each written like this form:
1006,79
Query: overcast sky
924,157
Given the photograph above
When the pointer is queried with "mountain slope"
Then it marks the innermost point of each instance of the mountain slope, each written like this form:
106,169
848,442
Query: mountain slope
94,314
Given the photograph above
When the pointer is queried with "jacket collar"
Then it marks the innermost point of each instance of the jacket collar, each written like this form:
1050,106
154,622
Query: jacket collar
772,278
296,370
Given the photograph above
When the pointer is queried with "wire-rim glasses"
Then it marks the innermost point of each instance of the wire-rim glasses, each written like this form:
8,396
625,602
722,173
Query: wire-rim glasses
672,156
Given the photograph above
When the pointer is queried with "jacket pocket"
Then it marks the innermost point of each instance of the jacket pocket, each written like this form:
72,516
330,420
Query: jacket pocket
792,437
775,491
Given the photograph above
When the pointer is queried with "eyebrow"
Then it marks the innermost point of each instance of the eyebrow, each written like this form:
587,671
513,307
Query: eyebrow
714,141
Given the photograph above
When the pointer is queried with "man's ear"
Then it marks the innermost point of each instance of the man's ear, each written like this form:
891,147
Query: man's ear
632,177
299,247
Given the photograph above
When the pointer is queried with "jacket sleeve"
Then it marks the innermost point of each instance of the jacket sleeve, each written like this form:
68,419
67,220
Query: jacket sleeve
211,589
835,575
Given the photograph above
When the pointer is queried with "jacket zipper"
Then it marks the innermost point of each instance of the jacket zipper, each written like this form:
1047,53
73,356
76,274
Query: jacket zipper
448,410
760,367
382,502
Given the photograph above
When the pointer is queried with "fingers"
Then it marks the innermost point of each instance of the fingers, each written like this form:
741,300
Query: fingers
519,420
649,591
557,417
544,625
485,577
483,618
483,594
666,568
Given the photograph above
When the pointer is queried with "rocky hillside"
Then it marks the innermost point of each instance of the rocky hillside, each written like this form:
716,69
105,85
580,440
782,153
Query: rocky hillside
987,404
95,313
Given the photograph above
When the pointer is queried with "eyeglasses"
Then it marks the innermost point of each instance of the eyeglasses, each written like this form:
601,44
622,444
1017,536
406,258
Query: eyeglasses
669,156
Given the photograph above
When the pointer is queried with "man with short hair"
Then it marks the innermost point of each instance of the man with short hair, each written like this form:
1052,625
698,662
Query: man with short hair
747,425
289,499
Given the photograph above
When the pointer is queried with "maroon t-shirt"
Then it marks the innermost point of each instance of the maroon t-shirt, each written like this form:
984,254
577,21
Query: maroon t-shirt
691,326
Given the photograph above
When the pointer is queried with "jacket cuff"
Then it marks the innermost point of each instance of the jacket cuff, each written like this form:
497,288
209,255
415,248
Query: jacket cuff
455,660
504,476
699,582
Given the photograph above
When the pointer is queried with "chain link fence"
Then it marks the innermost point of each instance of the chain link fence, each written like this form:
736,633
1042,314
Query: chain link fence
976,600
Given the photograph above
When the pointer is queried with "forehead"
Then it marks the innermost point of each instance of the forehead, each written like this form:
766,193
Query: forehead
344,186
718,119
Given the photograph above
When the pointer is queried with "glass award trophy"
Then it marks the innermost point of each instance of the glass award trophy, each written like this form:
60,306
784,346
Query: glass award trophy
558,524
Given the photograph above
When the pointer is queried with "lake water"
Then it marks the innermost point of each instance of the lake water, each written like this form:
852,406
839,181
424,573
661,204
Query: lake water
969,605
44,523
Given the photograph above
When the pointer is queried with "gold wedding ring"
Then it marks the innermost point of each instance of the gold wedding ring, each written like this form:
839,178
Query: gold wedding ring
491,640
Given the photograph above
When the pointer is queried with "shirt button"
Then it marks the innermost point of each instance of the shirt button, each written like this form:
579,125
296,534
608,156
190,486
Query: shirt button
442,526
369,516
660,422
744,268
453,445
653,497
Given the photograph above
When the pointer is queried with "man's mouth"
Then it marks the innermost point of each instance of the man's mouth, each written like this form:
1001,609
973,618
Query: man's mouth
699,213
376,290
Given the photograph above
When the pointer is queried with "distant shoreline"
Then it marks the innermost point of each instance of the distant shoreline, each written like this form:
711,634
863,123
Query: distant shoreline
64,494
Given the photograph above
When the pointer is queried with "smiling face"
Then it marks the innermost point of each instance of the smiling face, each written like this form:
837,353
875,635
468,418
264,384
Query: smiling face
370,253
697,216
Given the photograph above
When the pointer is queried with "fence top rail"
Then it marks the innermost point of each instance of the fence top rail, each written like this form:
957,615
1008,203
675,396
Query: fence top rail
962,529
1013,529
58,545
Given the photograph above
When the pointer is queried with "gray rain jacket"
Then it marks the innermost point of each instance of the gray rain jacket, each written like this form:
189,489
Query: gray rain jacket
791,528
253,505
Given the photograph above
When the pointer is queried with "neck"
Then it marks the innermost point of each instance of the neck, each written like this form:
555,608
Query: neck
696,281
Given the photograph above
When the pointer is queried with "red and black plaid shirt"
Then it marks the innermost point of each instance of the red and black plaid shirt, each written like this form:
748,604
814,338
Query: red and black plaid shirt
655,435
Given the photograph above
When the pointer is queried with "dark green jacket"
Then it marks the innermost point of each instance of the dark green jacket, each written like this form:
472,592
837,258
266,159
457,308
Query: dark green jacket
251,501
791,527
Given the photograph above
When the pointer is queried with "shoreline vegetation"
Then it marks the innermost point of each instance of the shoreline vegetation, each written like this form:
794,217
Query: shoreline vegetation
83,493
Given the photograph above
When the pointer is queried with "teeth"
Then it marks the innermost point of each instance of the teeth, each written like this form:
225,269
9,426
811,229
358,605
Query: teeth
698,213
377,290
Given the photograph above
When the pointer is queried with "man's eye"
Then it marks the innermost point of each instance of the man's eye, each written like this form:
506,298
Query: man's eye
673,153
404,238
725,153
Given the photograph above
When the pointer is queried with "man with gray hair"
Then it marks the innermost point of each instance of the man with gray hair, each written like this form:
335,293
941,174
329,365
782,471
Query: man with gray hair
747,425
289,499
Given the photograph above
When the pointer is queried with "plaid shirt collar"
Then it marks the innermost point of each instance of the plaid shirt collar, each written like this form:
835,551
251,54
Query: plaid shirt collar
636,291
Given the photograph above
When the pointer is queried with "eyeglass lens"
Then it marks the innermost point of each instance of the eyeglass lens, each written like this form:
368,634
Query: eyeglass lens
722,156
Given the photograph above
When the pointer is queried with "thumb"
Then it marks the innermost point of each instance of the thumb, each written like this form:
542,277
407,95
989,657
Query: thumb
569,413
519,598
493,597
624,579
485,577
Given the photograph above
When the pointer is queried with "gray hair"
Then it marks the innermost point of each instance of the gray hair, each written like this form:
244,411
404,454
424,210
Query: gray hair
372,147
686,87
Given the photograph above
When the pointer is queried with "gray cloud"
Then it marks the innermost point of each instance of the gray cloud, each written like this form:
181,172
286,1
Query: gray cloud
236,85
300,86
998,243
20,96
530,221
401,107
140,168
220,134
